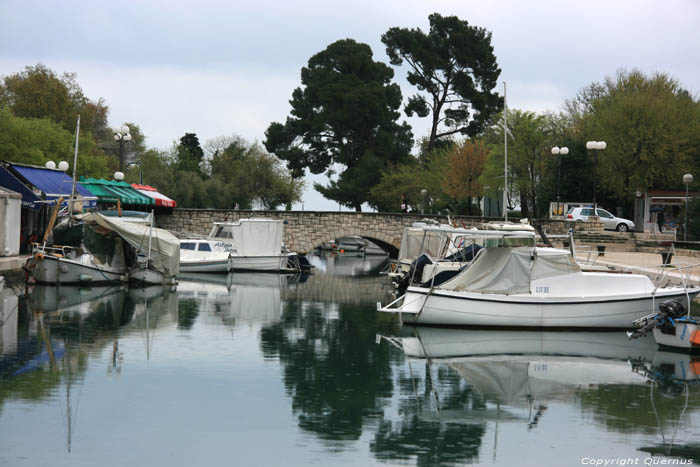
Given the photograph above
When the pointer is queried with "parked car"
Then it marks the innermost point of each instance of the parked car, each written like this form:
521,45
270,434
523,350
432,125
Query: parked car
609,221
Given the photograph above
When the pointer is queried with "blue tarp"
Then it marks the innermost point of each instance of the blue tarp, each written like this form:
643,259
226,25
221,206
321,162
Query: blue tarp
9,181
54,183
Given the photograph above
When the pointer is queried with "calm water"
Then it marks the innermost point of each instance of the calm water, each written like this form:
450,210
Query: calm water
274,370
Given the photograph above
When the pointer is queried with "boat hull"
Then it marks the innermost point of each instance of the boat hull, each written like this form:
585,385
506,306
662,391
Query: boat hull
54,270
259,263
472,309
219,266
685,337
150,276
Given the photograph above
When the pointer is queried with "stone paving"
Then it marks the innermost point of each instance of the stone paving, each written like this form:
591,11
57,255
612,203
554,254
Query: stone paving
646,263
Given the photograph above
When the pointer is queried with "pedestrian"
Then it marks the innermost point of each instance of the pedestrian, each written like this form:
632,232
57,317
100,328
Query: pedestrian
404,204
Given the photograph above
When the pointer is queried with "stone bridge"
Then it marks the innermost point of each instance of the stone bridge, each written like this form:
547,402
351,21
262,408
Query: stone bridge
306,230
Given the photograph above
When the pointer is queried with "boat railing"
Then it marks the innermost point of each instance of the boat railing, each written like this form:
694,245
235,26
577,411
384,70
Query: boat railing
63,250
587,254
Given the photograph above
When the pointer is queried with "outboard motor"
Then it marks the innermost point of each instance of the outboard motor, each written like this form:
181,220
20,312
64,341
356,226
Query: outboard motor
416,271
668,311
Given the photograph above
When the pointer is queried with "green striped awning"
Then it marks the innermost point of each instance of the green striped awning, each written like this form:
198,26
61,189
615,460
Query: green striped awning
109,191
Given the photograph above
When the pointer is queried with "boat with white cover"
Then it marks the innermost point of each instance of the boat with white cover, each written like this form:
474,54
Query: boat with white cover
508,285
201,255
254,244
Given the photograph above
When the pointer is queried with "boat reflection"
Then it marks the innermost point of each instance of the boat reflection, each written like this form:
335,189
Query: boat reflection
348,263
518,375
236,297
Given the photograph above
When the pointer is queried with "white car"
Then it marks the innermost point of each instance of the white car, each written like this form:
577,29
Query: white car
609,221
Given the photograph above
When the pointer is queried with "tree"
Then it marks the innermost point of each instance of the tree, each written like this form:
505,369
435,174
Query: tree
254,176
38,92
39,140
651,126
455,66
189,154
465,166
344,116
529,152
410,180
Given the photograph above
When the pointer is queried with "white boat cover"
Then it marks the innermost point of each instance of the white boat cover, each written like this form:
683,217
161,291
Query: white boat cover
506,270
165,247
416,241
253,237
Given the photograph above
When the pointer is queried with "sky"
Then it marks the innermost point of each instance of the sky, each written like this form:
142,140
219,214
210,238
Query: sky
222,68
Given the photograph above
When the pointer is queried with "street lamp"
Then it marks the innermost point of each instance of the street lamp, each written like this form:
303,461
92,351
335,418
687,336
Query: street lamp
595,146
556,150
121,135
687,179
140,171
422,208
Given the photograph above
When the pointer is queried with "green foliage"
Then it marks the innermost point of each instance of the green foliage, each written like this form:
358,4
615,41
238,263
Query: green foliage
39,140
454,68
529,157
651,126
242,175
345,114
409,180
38,92
189,154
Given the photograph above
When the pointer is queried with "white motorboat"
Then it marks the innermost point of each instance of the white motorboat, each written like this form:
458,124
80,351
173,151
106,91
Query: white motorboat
254,244
532,287
201,255
672,326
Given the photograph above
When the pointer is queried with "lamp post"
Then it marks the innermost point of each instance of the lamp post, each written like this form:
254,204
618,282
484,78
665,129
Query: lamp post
687,179
595,146
556,150
121,135
422,208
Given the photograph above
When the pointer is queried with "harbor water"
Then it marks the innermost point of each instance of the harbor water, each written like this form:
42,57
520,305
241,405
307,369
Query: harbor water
268,370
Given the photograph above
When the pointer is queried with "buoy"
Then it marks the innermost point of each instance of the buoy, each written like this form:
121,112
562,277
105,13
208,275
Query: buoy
342,251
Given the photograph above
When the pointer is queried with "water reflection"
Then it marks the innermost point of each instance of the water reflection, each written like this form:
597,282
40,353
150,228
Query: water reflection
626,386
237,360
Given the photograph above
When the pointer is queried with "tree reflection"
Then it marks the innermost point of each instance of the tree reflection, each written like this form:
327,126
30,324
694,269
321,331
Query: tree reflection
336,376
341,382
187,313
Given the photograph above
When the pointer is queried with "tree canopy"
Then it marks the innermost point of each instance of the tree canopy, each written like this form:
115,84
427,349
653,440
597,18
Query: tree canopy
345,115
651,126
454,68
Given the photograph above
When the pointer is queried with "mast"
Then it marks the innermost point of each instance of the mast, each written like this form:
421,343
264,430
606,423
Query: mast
150,237
505,168
75,163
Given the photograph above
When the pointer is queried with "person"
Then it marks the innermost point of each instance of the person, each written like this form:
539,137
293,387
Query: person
404,204
660,220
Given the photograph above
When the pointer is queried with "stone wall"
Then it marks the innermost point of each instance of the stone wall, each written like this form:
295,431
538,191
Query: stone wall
306,230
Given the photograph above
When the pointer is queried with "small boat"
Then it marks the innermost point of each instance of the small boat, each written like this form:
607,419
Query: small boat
254,244
513,286
672,326
154,253
201,255
354,244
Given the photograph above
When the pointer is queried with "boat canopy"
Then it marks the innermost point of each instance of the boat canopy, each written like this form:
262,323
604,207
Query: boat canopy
165,247
251,237
416,241
508,270
443,240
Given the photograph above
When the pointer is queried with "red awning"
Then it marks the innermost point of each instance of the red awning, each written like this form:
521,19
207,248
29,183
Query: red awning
160,199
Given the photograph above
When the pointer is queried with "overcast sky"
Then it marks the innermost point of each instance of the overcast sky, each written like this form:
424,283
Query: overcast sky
220,68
